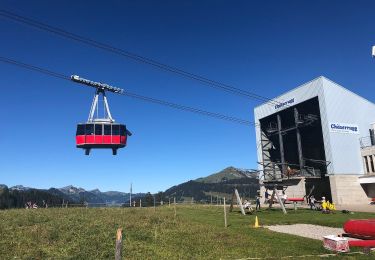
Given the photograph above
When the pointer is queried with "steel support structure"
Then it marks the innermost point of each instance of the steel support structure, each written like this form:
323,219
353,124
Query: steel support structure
95,108
299,142
281,143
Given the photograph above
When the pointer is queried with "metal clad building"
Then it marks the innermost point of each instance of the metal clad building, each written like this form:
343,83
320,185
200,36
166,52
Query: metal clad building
317,122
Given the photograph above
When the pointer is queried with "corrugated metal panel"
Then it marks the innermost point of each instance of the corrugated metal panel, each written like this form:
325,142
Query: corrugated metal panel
300,94
343,106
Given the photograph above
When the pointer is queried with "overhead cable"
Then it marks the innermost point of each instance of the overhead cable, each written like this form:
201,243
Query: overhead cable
133,56
133,95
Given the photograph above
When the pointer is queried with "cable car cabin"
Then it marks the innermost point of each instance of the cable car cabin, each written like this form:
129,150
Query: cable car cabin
101,135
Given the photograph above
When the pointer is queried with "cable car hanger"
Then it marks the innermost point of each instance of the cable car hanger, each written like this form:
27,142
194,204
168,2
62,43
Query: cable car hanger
100,132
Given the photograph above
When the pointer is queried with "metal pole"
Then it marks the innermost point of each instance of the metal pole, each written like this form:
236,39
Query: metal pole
93,106
281,144
107,107
299,143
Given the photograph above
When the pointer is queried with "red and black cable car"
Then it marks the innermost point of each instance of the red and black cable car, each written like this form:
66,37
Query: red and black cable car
100,133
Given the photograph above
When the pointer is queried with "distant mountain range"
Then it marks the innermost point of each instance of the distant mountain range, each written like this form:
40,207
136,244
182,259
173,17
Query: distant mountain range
202,189
79,195
220,184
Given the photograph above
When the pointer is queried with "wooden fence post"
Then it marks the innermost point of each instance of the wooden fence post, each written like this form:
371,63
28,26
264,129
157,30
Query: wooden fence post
118,244
174,202
225,214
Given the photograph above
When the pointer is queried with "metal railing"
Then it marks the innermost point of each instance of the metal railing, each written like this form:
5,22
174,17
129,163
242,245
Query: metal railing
275,173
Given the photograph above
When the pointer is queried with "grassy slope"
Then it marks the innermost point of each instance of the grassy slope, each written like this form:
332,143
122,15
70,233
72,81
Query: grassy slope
196,233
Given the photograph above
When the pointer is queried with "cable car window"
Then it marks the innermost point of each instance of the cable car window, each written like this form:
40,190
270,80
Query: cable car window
98,129
122,130
89,129
107,129
80,130
115,130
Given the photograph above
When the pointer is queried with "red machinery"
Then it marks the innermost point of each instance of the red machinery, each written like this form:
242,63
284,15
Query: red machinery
357,228
295,199
360,228
100,132
362,243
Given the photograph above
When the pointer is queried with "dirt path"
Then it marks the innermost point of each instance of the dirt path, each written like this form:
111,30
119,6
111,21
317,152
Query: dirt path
306,230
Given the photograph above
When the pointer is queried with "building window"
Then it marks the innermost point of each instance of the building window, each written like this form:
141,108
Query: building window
366,162
372,163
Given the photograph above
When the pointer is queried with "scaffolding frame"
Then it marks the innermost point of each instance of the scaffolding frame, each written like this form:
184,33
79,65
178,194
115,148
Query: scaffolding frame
279,171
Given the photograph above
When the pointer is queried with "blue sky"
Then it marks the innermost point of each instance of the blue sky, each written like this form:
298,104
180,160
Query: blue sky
266,47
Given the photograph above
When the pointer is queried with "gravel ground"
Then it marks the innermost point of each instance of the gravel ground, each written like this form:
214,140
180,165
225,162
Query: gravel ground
306,230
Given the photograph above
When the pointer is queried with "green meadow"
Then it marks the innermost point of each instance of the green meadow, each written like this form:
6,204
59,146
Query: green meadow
196,232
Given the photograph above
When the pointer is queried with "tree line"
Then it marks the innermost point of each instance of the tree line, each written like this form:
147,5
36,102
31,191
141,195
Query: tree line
18,198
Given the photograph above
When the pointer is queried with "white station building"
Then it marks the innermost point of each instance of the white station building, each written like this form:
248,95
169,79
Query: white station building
318,139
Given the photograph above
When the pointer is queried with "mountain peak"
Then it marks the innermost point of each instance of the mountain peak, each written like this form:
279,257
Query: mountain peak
228,173
19,187
96,191
71,189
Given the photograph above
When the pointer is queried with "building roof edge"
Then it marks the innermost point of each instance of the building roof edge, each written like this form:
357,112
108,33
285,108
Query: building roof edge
300,86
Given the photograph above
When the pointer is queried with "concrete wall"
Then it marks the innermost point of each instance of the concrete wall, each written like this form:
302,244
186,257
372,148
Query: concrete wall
368,151
296,191
346,190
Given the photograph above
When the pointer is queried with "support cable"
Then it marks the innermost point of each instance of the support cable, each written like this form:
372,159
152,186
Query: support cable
133,56
134,95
